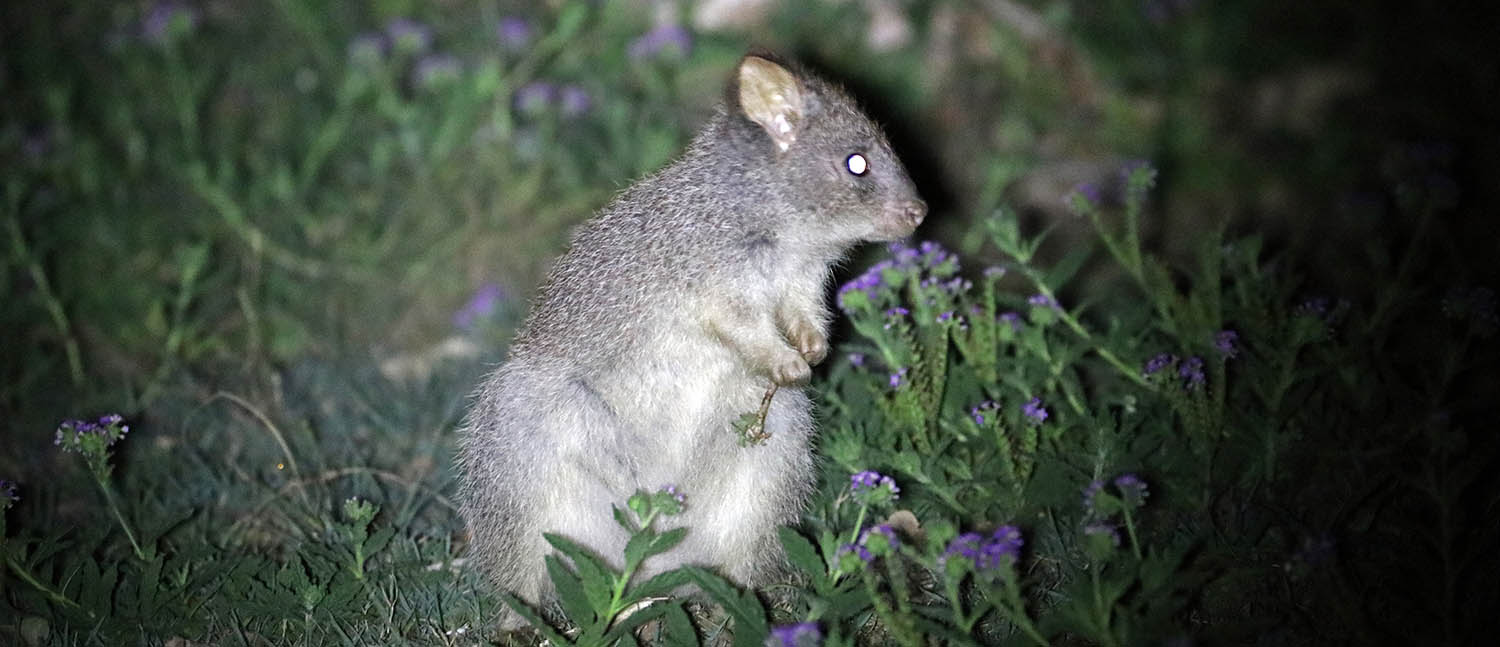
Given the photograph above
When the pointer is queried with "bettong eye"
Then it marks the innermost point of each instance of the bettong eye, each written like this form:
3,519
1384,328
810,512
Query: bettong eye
857,164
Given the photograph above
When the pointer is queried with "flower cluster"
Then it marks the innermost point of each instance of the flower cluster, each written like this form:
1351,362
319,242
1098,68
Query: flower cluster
479,307
85,436
1034,411
1189,370
539,97
872,488
1132,492
666,40
8,493
1227,341
984,411
802,634
973,551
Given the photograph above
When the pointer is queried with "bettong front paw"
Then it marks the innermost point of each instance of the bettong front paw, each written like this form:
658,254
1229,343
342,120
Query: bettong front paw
808,341
790,370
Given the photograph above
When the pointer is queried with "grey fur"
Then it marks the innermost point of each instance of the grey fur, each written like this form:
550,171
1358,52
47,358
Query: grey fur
671,313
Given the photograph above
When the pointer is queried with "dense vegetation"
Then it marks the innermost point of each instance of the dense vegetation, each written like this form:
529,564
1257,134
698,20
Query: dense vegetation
1199,347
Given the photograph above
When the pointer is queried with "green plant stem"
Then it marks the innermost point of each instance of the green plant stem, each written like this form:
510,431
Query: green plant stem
1014,610
49,298
1135,543
888,615
1101,612
109,498
1073,324
28,578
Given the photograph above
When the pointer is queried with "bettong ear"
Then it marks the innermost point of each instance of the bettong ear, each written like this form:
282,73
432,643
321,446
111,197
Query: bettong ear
771,96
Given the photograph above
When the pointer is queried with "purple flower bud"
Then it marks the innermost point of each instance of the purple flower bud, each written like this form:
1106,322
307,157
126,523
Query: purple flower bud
802,634
1035,411
1105,529
8,493
436,70
1004,547
666,39
1159,362
514,33
1191,371
483,304
408,35
535,98
898,378
1042,301
574,100
1089,493
1132,489
1012,318
1227,342
857,360
165,21
881,532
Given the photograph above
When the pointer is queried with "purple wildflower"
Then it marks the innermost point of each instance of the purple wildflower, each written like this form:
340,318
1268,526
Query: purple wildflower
885,541
1089,494
893,315
1132,489
1012,318
1034,410
857,360
965,546
166,21
802,634
857,550
671,490
671,39
904,254
534,98
574,100
514,33
898,378
1191,371
945,316
8,493
1159,362
994,272
1314,307
868,283
1083,198
82,435
872,488
408,35
1043,301
1227,342
934,256
1003,547
437,69
979,411
1103,529
483,304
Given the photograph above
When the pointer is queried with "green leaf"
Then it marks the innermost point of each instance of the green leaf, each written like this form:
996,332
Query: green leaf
800,552
750,627
622,517
658,585
570,592
377,541
623,628
666,541
679,627
534,619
